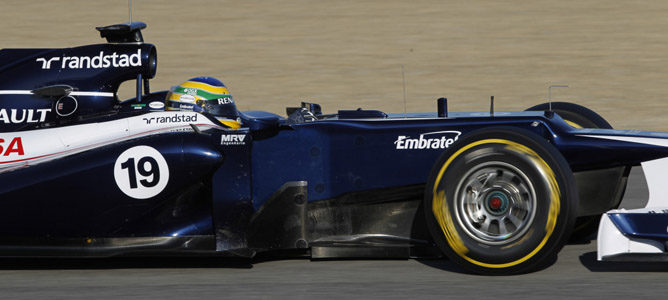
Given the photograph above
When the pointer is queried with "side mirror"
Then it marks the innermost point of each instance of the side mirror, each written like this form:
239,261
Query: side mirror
58,90
259,120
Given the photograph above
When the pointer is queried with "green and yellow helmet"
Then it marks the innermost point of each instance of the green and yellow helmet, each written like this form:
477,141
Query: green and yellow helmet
205,94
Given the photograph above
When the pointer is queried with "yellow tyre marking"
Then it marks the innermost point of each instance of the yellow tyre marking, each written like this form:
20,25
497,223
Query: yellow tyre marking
440,208
573,124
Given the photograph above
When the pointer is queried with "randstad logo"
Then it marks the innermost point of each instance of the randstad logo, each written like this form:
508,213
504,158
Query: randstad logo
429,140
94,62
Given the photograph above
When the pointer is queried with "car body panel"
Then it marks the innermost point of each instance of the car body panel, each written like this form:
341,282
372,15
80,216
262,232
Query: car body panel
85,173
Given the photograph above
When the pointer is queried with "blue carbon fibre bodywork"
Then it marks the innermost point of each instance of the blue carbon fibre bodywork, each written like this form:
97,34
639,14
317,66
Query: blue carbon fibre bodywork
585,152
354,176
642,225
336,157
25,70
342,156
76,196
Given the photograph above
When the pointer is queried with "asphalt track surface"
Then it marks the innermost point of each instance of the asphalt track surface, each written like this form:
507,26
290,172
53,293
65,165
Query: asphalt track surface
576,273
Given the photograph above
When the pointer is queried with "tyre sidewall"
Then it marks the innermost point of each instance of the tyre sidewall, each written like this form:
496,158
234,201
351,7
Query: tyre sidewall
554,203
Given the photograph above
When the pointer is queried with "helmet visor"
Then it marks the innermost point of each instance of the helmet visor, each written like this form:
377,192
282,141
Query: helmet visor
221,107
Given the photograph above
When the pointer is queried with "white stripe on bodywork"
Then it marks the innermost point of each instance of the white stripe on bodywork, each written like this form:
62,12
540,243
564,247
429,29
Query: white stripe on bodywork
48,144
94,94
74,93
631,139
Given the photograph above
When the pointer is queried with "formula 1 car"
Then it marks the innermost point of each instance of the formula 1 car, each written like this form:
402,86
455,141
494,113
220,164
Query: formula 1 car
83,173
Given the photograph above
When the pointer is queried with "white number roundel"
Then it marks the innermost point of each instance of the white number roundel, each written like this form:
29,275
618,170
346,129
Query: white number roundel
141,172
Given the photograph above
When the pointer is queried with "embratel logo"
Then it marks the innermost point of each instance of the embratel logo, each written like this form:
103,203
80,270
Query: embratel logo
171,119
232,139
429,140
93,62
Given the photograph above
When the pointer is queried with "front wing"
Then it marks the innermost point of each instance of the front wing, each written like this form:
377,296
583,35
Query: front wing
639,234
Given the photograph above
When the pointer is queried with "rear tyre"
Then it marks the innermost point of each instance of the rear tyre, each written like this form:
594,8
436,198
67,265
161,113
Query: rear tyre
500,201
575,115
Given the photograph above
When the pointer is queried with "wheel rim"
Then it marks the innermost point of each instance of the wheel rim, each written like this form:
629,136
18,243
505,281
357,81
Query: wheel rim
496,203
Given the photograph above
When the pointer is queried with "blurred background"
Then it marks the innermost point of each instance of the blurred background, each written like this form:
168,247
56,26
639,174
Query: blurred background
349,54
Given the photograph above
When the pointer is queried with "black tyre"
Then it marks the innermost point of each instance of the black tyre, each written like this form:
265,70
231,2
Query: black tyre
579,116
500,201
575,115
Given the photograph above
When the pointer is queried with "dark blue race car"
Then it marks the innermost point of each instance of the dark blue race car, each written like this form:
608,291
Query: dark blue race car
83,173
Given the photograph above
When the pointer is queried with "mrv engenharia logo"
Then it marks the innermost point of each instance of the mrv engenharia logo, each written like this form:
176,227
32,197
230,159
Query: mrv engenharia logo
233,139
429,140
92,62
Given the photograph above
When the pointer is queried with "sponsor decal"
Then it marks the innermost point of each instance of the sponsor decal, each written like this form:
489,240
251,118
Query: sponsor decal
93,62
172,119
156,105
16,116
187,98
15,146
138,106
182,129
233,139
186,107
429,140
141,172
225,100
66,106
189,92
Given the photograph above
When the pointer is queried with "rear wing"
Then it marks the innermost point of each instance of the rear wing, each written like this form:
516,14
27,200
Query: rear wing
123,33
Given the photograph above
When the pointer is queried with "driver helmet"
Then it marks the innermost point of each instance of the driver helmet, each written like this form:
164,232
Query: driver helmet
205,94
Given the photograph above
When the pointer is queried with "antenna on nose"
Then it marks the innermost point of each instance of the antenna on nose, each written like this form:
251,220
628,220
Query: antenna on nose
549,94
491,106
130,9
403,83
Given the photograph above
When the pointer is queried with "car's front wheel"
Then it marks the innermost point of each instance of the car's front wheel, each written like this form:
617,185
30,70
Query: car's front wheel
500,201
578,116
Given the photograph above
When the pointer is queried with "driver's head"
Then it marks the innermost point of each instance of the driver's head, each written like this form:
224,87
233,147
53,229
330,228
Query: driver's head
205,94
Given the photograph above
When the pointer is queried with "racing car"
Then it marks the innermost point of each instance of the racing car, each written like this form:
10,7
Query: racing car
84,173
